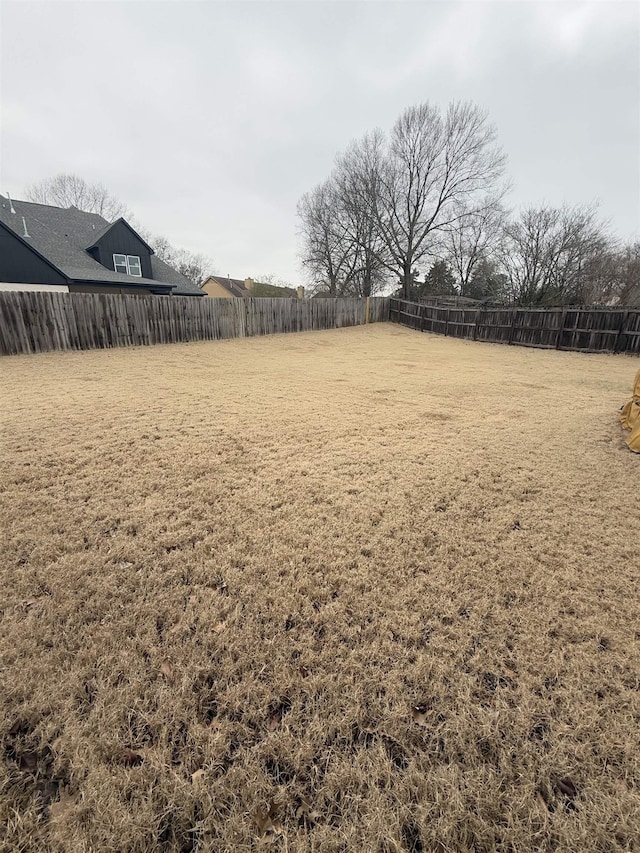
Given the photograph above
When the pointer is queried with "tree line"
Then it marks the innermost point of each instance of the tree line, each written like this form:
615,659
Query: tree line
424,206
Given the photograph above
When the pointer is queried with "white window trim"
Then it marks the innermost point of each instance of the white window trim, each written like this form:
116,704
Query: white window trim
121,262
127,263
137,258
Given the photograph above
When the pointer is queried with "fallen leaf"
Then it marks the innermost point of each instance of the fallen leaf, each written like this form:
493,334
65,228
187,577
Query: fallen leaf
274,722
419,714
305,813
304,808
31,605
269,823
542,803
276,712
28,761
220,626
566,787
60,809
129,757
47,790
197,775
167,670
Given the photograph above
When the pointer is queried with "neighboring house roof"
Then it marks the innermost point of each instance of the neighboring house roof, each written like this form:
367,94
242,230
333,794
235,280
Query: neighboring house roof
62,235
238,287
235,286
258,288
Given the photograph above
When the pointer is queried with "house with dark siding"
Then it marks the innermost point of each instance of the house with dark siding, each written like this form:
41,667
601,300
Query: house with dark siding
66,248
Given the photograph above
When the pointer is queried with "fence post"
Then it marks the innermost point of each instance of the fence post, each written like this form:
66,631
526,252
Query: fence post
475,325
561,329
446,323
366,312
623,323
422,312
513,324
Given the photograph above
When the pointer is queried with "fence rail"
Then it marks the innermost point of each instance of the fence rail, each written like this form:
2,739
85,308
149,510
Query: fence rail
579,329
40,321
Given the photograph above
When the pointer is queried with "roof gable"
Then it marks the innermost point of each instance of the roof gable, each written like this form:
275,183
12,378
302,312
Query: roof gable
15,234
111,225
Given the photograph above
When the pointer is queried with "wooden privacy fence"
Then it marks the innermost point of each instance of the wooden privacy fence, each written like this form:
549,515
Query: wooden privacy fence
40,321
583,329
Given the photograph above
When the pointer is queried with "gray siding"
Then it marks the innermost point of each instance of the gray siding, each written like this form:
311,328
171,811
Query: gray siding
19,263
120,240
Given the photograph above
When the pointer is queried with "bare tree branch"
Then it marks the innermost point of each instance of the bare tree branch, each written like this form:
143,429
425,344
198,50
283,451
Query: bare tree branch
68,190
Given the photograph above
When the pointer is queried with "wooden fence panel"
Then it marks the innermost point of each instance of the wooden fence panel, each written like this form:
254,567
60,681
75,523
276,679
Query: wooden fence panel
40,321
629,340
582,329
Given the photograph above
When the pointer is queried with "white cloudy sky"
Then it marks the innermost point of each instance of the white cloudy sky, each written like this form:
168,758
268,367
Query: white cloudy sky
210,119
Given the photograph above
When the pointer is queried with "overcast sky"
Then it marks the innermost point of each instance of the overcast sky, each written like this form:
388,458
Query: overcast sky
210,119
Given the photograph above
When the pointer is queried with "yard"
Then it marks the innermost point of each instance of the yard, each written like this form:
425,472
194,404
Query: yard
355,590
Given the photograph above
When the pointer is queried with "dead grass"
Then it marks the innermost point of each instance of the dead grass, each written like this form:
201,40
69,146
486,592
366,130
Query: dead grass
362,590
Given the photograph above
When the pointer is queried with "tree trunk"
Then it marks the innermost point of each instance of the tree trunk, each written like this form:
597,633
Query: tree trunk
407,280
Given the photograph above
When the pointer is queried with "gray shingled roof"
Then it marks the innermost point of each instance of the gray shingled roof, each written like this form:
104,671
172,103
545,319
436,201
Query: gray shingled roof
76,225
61,235
163,272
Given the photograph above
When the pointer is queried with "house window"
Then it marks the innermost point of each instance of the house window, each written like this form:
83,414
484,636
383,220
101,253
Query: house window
128,264
134,265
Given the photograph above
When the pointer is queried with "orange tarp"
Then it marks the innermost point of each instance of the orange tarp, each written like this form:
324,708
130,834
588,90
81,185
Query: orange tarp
630,417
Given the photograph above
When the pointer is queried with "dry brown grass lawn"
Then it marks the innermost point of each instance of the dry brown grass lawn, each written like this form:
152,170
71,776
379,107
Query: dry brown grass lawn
361,590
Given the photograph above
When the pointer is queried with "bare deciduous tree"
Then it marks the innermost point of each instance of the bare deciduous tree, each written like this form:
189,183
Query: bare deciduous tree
328,251
437,166
628,284
474,239
68,190
193,265
390,202
356,178
548,251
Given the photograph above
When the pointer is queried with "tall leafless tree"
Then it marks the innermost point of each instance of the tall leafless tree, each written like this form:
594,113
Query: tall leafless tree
628,284
437,167
68,190
193,265
356,178
548,251
390,202
474,239
328,250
